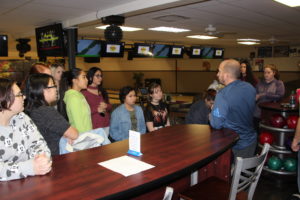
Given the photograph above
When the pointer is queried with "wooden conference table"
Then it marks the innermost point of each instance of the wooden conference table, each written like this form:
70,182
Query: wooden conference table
174,151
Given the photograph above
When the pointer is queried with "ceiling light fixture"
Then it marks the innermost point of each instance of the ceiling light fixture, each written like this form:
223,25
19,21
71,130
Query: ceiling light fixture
202,37
290,3
124,28
169,29
248,43
248,40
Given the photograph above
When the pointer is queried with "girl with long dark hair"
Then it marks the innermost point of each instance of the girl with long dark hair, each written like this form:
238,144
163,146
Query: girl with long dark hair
41,92
97,99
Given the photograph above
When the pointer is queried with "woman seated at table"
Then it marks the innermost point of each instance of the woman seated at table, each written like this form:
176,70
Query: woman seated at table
41,93
156,112
23,151
97,98
127,116
78,110
199,111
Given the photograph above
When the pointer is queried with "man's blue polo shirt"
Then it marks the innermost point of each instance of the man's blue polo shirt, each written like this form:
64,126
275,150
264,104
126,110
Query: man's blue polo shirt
233,109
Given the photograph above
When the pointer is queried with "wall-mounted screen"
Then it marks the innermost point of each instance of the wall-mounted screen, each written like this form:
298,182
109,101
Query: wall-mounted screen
161,51
88,48
50,40
195,52
3,45
142,50
176,51
219,53
264,52
207,52
112,49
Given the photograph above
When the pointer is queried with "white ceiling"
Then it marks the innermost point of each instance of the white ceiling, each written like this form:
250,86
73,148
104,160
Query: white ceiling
259,19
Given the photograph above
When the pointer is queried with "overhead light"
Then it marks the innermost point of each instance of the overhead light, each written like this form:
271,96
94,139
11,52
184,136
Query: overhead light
202,37
290,3
248,43
169,29
248,40
124,28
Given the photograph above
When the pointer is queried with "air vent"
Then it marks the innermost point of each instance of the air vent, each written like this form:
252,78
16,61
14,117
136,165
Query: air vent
171,18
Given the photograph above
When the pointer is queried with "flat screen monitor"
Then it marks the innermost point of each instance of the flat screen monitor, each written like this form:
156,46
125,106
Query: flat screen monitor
112,49
161,50
219,53
195,52
142,50
176,51
207,52
88,48
3,45
50,40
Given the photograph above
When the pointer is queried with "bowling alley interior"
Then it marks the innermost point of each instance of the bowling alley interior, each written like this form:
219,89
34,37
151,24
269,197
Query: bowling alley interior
179,46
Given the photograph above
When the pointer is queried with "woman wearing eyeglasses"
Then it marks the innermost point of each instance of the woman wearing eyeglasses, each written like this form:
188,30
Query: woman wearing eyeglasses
97,98
23,150
42,93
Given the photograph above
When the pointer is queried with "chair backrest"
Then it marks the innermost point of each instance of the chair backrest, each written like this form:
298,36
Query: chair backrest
247,172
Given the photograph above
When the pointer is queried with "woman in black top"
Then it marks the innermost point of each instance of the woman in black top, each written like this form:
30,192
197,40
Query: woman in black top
156,112
41,92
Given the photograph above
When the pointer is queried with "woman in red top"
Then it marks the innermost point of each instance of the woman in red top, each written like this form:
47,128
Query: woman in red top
97,98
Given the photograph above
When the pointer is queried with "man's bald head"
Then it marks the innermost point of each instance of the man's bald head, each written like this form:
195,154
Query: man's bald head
232,67
229,71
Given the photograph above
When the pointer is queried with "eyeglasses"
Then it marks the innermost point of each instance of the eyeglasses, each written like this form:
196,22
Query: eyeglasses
20,94
54,86
99,76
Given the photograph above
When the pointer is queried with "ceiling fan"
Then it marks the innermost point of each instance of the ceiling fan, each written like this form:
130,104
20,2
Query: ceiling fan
274,40
212,31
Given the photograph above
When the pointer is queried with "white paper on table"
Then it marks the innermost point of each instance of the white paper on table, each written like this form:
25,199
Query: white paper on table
126,165
134,141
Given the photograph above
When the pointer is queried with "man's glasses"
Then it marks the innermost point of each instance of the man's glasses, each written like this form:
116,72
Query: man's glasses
54,86
99,76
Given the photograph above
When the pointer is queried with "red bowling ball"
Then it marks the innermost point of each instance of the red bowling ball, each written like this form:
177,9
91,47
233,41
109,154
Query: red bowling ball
292,121
266,137
278,121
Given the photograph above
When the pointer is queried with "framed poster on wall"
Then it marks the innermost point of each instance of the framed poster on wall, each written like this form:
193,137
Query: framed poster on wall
264,52
281,51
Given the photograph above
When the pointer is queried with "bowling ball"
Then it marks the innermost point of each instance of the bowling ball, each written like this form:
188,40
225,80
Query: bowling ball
278,121
274,163
266,137
292,121
290,164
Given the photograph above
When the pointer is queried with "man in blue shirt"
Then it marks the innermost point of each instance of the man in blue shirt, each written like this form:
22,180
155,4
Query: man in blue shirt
233,108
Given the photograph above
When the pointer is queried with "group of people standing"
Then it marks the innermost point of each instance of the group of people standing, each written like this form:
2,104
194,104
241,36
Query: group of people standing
60,106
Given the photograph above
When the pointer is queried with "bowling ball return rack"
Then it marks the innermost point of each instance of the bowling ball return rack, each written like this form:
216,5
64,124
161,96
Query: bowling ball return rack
279,147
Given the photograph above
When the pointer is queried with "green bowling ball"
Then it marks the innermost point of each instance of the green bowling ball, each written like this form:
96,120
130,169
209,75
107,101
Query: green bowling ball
290,164
274,163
